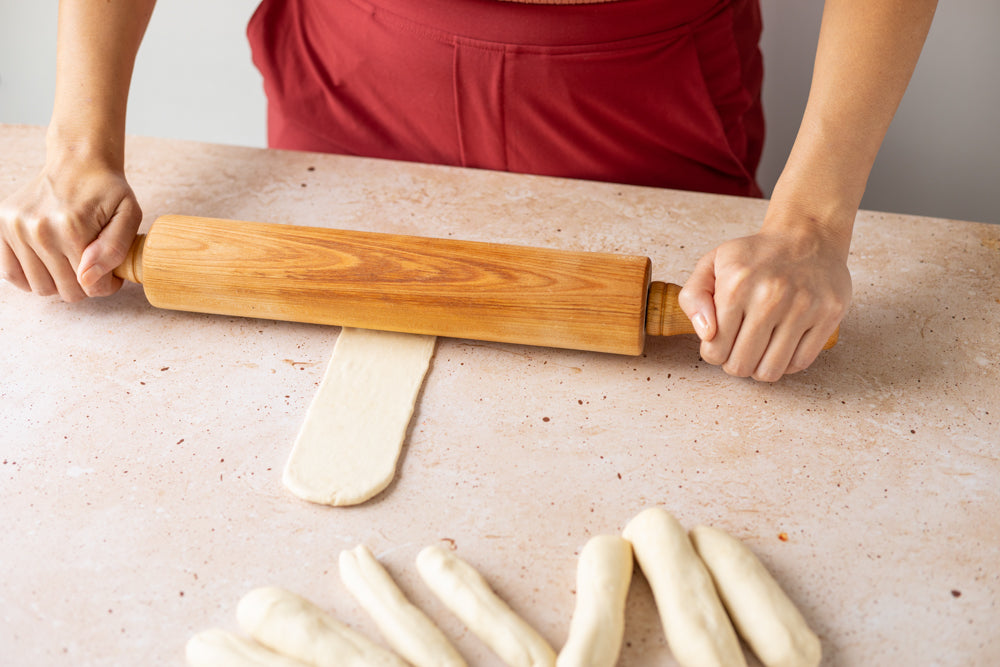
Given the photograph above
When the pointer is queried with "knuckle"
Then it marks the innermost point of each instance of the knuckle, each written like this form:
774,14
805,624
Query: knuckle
10,270
801,361
686,299
29,229
771,292
16,228
768,375
47,231
736,280
713,355
802,303
104,288
737,368
833,310
17,281
72,297
714,359
77,236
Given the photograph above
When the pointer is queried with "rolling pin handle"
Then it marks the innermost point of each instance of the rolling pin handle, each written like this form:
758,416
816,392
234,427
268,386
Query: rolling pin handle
664,316
131,268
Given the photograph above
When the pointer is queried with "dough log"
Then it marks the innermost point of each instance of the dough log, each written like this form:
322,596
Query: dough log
762,612
694,620
295,627
407,629
218,648
603,576
464,591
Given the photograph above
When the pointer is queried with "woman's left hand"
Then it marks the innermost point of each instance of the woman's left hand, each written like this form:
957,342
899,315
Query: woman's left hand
764,305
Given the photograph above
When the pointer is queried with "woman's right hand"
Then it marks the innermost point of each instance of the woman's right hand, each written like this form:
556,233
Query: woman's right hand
68,229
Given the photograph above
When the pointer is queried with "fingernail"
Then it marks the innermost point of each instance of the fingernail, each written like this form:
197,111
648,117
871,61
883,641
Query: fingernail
89,276
700,324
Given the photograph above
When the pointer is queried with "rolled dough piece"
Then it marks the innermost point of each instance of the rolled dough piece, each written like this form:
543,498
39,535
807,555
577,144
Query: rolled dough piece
219,648
407,629
295,627
603,576
760,609
694,621
464,591
347,448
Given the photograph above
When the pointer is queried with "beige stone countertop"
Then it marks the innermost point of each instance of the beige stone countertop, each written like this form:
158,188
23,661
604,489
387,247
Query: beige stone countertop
141,449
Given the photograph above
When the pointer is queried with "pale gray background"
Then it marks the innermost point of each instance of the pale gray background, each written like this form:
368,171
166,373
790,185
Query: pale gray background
194,80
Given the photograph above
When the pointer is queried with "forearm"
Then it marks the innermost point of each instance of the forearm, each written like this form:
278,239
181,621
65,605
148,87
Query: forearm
866,54
97,44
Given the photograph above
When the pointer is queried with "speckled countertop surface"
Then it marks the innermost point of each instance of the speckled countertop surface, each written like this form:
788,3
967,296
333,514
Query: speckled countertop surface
140,450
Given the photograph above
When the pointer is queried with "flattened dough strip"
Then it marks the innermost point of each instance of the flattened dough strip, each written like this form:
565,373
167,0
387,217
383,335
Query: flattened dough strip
347,448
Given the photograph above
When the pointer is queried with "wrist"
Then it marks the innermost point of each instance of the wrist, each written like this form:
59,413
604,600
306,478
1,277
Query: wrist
820,188
71,143
815,223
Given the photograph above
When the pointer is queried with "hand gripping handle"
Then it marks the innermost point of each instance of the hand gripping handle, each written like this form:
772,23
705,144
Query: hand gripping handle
664,316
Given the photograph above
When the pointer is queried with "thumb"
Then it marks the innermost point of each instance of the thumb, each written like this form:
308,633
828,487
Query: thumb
107,251
697,297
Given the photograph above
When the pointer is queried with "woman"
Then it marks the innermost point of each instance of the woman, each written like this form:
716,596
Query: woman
652,92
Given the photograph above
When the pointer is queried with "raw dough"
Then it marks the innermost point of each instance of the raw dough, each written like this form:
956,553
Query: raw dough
763,614
694,621
603,576
295,627
218,648
347,448
464,591
407,629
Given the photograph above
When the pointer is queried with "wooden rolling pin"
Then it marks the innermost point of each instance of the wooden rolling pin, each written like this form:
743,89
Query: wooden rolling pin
462,289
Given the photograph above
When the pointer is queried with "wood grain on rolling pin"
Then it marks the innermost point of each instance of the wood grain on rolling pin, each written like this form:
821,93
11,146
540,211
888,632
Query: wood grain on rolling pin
462,289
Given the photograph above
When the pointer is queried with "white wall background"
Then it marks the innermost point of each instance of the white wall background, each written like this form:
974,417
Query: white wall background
194,80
